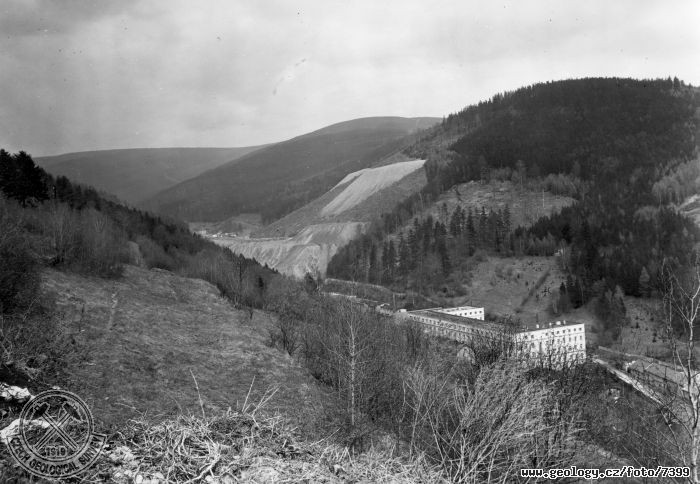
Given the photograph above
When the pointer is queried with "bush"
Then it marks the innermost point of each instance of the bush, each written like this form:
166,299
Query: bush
154,256
489,429
19,274
86,241
102,246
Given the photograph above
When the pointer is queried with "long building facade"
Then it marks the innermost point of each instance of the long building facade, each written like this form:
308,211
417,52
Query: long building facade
561,340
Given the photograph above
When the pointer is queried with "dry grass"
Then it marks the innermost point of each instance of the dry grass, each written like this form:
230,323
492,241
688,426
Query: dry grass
149,332
245,445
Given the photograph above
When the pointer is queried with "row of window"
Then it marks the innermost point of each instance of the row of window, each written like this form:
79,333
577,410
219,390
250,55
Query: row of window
453,329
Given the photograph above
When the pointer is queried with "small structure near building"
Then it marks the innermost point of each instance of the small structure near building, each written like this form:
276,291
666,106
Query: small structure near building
662,377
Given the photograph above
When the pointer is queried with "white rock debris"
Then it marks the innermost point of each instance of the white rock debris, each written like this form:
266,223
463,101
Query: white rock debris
11,430
11,393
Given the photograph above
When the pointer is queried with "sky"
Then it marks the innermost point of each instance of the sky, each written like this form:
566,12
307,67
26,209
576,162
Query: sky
79,75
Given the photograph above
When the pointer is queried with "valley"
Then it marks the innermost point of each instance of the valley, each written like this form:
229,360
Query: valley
349,242
525,220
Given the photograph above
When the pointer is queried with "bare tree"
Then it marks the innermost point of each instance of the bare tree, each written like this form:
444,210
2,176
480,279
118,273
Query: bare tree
486,431
680,400
62,232
351,340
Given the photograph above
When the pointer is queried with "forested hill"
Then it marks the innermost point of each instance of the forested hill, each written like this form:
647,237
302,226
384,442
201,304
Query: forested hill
621,147
136,174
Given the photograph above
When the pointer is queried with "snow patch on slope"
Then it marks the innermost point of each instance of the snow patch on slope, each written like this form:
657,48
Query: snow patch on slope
366,182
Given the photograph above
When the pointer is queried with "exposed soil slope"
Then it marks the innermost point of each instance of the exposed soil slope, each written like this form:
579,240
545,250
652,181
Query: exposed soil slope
364,183
136,174
374,204
307,252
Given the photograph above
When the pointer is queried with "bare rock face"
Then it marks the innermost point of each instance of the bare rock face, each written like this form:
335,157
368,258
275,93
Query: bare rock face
307,252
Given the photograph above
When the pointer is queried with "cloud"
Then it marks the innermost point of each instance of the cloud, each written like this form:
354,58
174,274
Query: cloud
83,74
40,17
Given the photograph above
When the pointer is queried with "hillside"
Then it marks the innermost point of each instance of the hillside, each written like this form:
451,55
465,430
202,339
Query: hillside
614,146
136,174
147,335
305,240
376,199
526,205
280,178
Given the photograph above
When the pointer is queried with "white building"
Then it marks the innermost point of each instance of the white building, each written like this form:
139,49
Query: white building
562,340
464,311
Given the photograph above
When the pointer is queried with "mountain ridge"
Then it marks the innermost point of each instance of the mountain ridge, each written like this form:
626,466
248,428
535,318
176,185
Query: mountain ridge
133,174
280,178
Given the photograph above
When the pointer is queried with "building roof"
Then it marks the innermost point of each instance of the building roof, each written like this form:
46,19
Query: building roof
452,318
459,308
489,325
548,325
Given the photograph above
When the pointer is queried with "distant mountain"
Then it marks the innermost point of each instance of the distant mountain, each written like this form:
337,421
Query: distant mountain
280,178
136,174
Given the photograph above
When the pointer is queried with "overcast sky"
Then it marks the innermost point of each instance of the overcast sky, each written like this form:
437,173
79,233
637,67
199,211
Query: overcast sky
80,75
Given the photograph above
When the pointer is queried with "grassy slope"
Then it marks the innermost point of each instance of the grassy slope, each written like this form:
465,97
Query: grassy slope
148,330
136,174
502,285
288,174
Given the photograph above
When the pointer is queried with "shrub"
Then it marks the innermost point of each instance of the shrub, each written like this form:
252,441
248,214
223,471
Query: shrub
154,256
102,246
19,275
86,241
489,429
